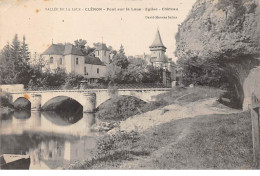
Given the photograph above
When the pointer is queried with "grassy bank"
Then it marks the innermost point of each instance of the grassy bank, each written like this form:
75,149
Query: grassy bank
203,142
120,108
183,95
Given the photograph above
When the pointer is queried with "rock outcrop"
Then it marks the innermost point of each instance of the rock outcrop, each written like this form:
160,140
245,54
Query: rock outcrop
251,85
226,32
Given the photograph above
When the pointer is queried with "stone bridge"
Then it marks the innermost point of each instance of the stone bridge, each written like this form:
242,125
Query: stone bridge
88,98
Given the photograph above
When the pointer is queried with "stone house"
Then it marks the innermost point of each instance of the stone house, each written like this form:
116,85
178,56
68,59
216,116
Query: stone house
72,60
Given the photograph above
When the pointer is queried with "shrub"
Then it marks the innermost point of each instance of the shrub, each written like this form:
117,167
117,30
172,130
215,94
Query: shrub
5,99
119,108
72,80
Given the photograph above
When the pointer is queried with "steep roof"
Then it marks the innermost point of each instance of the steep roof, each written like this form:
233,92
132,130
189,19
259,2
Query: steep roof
54,49
102,47
60,49
157,41
93,60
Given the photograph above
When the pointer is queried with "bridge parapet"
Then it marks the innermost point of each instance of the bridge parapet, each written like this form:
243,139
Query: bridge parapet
90,90
118,86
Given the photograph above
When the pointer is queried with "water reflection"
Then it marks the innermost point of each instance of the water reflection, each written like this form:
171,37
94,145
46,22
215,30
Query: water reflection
50,139
22,114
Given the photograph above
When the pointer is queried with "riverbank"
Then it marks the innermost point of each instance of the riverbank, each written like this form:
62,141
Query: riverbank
203,142
194,135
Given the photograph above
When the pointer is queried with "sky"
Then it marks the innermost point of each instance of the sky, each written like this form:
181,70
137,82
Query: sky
129,28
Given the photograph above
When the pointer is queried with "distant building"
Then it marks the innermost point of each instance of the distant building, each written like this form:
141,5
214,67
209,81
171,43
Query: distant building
160,60
103,53
72,60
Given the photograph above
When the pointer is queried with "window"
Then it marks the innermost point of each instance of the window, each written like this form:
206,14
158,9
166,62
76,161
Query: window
60,61
97,70
85,71
105,53
86,61
77,61
98,52
51,60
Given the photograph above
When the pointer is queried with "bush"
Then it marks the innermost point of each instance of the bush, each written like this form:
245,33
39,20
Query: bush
72,80
119,108
5,99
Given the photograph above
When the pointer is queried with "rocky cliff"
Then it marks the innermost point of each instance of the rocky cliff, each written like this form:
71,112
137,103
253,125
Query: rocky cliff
226,32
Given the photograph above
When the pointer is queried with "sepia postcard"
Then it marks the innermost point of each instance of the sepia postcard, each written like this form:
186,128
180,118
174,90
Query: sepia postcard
129,85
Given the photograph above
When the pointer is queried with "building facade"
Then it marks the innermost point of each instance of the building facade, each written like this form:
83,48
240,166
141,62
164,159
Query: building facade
160,60
103,53
72,60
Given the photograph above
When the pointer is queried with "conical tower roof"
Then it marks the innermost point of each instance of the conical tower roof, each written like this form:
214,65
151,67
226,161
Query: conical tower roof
157,41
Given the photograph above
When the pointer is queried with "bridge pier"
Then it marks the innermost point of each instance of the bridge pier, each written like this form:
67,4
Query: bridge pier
89,102
36,102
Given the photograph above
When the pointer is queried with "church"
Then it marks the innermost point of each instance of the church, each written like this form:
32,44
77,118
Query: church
160,60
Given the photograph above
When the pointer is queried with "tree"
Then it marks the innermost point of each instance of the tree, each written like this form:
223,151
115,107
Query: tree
20,57
198,72
96,44
15,62
38,62
89,50
135,70
6,66
25,54
72,80
80,43
117,69
85,49
153,75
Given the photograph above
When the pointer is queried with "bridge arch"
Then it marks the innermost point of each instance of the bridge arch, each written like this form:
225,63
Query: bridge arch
22,103
64,101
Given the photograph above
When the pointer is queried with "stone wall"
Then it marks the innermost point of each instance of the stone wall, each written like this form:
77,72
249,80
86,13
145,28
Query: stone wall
12,87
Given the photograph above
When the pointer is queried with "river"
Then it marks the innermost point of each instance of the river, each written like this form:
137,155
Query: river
51,139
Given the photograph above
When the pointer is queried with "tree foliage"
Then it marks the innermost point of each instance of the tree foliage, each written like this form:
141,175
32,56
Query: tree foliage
82,45
199,72
15,62
123,71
